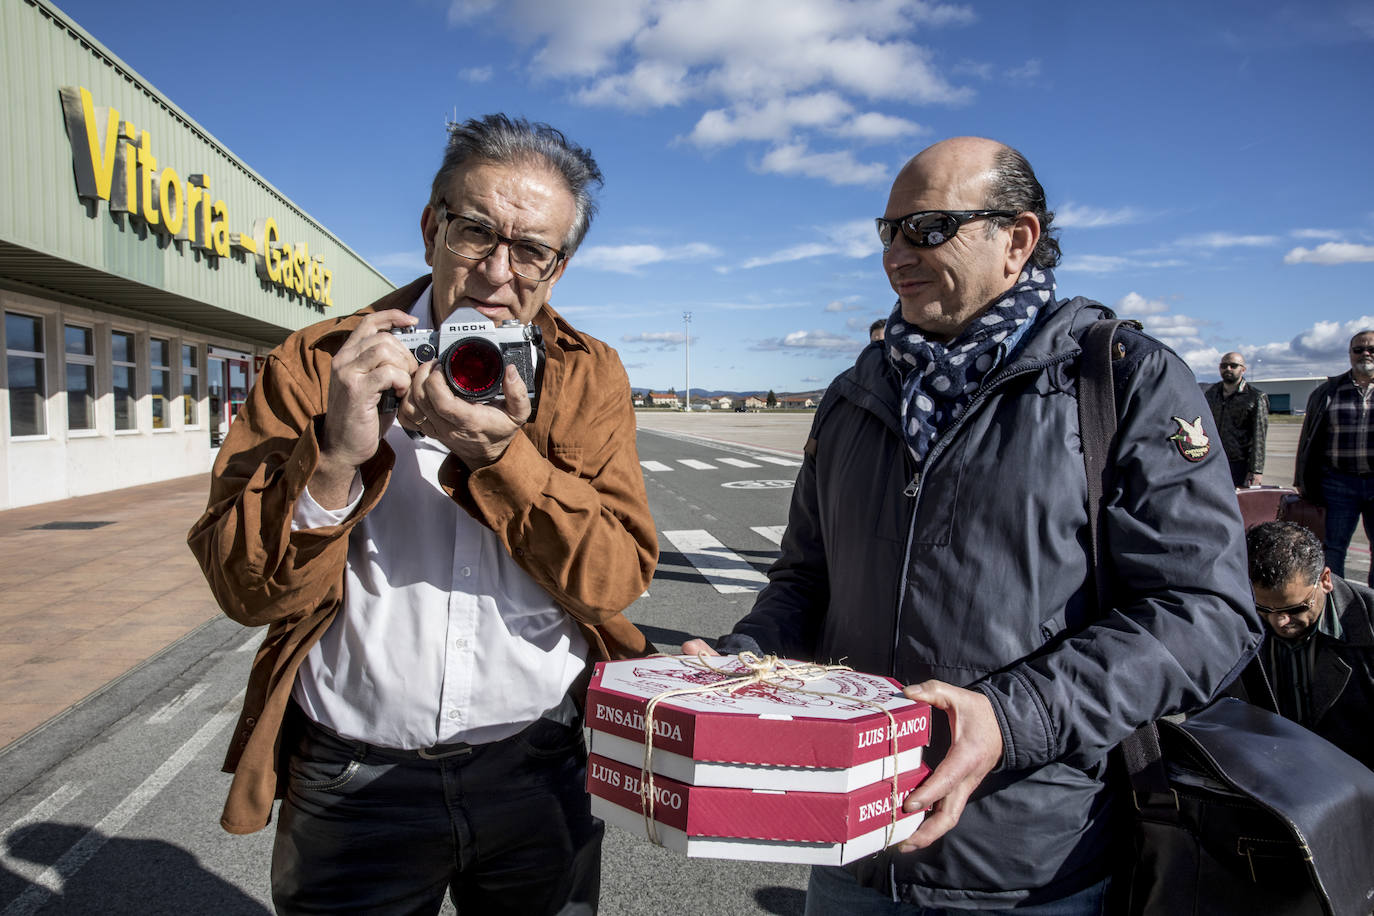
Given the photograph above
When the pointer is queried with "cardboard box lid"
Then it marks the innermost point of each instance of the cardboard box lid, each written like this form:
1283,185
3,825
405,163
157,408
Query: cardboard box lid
835,720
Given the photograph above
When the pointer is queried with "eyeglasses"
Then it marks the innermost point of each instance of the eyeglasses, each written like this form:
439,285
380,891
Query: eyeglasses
1233,365
930,228
1292,608
1362,350
475,241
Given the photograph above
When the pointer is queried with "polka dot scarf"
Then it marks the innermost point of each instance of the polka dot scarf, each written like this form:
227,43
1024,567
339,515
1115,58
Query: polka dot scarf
938,380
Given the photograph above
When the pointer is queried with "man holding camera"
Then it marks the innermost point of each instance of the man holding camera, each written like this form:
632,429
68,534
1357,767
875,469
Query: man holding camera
435,572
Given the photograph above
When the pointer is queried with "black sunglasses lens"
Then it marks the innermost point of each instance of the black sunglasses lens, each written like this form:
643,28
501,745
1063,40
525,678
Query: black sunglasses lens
886,230
1363,350
930,229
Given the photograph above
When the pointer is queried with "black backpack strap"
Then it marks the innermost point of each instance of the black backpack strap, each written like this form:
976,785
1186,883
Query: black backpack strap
1097,420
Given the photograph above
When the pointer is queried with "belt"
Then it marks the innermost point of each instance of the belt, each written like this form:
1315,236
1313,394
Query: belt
565,713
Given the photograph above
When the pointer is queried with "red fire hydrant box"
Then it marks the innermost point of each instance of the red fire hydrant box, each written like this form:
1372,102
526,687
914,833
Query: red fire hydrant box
797,727
807,828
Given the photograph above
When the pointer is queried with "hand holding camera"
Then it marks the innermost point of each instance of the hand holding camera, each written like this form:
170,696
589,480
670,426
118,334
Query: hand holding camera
476,384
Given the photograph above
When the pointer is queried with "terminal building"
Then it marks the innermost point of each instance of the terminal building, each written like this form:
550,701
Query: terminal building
145,272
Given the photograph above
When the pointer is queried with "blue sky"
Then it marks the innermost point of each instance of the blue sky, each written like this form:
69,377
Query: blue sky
1210,163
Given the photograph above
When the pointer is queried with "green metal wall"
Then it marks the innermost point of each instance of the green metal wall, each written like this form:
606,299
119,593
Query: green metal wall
45,225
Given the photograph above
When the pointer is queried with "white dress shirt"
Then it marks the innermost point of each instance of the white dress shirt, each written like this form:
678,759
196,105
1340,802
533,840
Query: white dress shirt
441,637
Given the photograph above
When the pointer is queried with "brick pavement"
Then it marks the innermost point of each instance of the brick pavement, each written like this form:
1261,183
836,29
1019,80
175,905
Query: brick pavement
79,608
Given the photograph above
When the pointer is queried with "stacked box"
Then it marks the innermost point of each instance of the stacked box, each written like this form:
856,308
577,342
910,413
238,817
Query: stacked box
792,769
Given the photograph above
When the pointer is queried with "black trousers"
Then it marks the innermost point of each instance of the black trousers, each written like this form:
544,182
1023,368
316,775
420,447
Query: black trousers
504,827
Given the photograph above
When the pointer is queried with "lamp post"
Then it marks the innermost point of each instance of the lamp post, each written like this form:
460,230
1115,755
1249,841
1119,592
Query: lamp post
687,355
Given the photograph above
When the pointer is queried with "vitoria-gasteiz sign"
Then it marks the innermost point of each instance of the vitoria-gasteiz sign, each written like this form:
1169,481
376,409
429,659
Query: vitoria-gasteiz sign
114,162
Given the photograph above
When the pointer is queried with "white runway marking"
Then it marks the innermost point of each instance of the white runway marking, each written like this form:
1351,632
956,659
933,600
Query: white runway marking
696,465
655,466
771,532
786,462
81,852
726,571
166,713
739,463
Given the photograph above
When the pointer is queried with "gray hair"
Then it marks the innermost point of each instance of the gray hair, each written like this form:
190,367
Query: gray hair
1281,551
1013,186
1358,335
499,139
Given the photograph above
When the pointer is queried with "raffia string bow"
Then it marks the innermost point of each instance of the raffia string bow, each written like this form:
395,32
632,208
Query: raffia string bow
768,670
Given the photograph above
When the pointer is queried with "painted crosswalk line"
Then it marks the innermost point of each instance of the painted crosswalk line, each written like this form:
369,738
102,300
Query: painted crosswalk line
726,571
655,466
696,464
771,532
739,463
786,462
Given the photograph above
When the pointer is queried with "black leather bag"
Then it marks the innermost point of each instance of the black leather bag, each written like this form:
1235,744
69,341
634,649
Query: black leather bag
1246,812
1237,810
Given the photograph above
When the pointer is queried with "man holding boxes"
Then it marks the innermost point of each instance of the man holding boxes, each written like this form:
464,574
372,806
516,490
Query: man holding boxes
939,534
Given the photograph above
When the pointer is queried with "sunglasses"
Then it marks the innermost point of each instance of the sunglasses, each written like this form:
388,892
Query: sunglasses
1362,350
1292,608
1233,365
930,228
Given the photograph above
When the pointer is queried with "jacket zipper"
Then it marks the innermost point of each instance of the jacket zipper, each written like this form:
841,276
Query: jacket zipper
913,489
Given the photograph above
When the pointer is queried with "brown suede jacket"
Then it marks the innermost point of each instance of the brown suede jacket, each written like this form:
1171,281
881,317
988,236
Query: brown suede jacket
566,499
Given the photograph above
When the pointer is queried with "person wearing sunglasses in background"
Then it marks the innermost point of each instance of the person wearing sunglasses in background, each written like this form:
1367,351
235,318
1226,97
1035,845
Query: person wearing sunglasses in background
938,533
1319,653
1241,413
1335,466
433,603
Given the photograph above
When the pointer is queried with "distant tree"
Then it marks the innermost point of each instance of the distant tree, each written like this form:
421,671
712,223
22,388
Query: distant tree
772,398
648,399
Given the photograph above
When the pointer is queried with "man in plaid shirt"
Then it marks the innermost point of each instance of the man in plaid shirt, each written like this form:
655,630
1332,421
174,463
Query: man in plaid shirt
1336,452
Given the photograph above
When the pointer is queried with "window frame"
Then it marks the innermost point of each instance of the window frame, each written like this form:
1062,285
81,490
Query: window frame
132,366
88,360
41,374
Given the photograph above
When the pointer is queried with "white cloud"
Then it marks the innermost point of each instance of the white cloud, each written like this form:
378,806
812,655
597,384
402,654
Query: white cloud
774,71
475,74
1074,216
855,239
1315,234
839,167
1134,305
1331,253
1108,263
1027,71
628,259
662,340
772,120
875,127
1228,240
826,341
851,304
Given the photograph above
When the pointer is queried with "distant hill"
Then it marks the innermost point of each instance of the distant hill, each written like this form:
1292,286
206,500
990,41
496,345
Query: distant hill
717,393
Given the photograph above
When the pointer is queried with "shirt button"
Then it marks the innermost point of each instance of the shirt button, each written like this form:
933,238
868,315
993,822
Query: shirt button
453,713
460,643
467,570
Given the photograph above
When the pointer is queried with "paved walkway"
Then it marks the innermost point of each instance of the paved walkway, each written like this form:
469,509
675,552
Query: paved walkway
81,607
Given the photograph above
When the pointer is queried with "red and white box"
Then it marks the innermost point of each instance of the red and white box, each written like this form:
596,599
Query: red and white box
807,828
824,734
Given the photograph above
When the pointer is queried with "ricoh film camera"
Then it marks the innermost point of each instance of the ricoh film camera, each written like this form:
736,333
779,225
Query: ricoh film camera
473,355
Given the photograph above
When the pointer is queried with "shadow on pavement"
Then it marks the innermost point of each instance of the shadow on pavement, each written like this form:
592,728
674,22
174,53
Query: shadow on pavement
782,901
101,874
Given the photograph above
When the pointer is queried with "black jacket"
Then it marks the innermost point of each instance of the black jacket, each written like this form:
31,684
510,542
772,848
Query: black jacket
1307,474
1342,690
977,574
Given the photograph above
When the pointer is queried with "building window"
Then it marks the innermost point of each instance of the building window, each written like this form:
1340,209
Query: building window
27,379
190,375
160,381
80,350
122,365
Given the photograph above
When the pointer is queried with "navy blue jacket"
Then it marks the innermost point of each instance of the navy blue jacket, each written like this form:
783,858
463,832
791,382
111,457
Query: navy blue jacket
979,575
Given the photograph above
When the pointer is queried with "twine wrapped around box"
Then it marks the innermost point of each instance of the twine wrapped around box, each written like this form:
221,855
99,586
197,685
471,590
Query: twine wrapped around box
768,670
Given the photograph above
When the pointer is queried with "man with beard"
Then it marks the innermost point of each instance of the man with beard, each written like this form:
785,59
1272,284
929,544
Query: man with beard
1335,466
1241,412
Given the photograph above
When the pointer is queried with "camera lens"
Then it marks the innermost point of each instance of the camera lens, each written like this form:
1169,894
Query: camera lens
474,367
